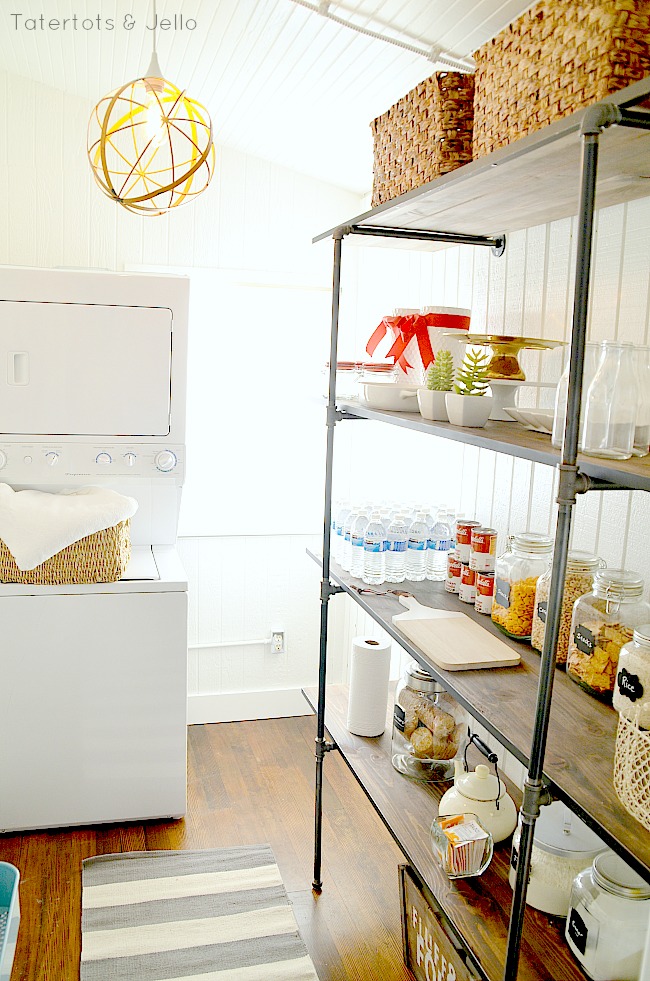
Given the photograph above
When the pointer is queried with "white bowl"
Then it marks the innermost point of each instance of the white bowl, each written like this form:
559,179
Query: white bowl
389,396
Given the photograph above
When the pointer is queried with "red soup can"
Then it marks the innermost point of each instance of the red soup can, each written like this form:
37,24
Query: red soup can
484,549
484,592
454,567
467,591
464,538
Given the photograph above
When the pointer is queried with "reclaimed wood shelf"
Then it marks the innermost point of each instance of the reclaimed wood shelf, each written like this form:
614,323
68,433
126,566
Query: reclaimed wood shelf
478,907
582,732
532,181
512,439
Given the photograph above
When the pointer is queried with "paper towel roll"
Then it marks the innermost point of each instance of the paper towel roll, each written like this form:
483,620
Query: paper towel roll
369,671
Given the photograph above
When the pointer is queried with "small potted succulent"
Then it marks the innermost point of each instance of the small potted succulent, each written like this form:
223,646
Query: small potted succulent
468,404
439,379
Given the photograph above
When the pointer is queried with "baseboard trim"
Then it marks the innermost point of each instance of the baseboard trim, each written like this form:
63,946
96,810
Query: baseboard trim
240,706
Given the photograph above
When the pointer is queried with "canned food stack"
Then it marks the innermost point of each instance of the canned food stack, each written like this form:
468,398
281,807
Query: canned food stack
470,566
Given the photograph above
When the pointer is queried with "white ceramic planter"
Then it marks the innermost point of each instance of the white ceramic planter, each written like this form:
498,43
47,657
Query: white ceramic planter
432,405
471,411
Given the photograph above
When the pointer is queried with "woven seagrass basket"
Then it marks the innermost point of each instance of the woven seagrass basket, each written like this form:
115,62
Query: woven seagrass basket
424,135
557,57
632,769
101,557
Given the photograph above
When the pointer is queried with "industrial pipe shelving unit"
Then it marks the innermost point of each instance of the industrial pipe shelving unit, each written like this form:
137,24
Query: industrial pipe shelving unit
531,182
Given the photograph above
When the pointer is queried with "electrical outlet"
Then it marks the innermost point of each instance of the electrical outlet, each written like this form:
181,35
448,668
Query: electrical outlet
277,641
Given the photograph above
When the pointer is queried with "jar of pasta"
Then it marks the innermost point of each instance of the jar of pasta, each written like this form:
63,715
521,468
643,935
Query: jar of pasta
517,570
602,622
581,567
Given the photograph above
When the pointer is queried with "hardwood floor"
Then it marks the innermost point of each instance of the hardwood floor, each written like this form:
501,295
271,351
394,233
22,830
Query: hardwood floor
249,782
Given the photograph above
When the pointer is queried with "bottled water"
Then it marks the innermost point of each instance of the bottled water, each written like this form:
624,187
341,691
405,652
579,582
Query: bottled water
397,537
373,551
440,544
346,544
358,531
337,537
416,551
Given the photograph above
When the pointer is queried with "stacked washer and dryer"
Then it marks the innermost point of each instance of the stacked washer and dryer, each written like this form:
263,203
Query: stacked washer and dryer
93,678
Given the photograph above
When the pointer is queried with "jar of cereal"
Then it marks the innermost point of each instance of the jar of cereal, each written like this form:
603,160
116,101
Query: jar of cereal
517,570
602,622
581,567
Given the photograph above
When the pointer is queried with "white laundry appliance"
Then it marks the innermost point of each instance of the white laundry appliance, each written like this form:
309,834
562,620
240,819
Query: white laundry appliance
93,678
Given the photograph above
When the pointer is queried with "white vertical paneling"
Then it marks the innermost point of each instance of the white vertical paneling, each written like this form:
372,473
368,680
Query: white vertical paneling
606,272
4,169
515,286
23,218
634,306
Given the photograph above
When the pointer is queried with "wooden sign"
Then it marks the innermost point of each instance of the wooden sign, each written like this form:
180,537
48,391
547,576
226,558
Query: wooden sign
429,953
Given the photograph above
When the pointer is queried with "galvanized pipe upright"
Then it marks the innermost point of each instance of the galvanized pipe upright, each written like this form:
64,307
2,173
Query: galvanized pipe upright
325,584
568,486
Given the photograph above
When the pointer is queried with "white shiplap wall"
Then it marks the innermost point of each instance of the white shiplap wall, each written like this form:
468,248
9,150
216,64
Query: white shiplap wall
528,291
255,218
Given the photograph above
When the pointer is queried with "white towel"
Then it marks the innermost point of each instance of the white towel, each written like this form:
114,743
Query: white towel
35,525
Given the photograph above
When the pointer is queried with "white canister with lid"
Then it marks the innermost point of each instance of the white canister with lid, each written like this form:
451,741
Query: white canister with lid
562,846
608,919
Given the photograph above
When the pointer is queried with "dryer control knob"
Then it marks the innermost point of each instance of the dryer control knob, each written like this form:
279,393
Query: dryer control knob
166,460
129,459
3,459
103,458
51,458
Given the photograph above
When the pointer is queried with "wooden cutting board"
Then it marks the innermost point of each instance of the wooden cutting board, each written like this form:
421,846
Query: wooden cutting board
457,643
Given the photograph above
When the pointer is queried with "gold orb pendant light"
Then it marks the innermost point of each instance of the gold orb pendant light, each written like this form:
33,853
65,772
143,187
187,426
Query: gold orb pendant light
150,145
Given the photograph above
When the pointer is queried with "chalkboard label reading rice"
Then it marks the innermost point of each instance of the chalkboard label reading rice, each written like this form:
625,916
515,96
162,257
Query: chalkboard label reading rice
542,610
629,685
502,593
584,639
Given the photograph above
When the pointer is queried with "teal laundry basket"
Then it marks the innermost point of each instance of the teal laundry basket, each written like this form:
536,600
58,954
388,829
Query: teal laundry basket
9,917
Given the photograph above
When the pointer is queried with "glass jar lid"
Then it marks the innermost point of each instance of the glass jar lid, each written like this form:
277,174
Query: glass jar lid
560,832
642,634
420,680
617,583
613,875
577,561
530,541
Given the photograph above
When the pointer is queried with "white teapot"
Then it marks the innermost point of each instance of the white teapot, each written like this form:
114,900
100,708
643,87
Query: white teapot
482,793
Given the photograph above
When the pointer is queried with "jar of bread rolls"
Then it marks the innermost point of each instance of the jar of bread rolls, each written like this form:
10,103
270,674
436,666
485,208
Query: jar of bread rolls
429,727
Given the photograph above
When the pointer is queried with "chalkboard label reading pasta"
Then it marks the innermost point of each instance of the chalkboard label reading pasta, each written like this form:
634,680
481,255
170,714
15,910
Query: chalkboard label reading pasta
584,639
502,593
542,610
577,930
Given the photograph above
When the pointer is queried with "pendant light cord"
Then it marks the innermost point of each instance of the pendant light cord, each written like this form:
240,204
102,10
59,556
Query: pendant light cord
155,25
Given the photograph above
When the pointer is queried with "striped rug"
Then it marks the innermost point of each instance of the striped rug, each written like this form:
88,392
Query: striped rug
219,915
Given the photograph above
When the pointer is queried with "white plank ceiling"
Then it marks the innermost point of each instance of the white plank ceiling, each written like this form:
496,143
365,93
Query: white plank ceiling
280,81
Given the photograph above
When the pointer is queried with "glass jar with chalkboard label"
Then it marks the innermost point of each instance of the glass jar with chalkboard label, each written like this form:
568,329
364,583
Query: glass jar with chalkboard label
516,573
632,688
608,919
602,622
581,567
429,727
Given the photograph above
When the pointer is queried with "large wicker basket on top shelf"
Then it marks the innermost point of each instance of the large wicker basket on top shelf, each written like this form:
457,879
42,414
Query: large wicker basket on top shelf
424,135
102,557
557,57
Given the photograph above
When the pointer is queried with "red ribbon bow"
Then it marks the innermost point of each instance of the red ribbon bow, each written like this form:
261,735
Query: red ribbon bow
414,325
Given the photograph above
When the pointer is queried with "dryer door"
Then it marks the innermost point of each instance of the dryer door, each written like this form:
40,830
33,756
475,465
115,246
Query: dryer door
74,369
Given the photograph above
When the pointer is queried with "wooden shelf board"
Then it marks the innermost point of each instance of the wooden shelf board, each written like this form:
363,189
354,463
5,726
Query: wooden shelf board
582,731
478,907
510,438
532,181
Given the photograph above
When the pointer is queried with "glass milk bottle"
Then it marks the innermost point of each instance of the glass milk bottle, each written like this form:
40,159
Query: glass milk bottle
588,372
642,426
611,406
